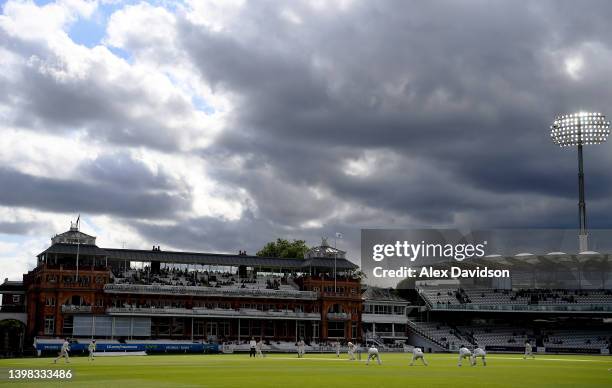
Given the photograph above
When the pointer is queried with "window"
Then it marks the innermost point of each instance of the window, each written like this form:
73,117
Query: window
335,330
382,309
269,329
256,328
68,325
16,298
50,301
224,328
354,331
199,327
244,329
49,325
400,329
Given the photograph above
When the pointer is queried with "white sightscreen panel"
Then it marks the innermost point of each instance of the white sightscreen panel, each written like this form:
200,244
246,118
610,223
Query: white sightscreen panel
142,327
122,326
82,326
102,326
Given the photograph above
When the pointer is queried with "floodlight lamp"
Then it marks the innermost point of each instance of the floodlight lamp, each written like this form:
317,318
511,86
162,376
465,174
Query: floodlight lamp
583,128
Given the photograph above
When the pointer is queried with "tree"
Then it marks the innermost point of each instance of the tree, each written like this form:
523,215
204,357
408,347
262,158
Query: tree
284,248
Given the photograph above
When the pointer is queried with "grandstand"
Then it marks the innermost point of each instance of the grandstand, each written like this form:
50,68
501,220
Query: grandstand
503,337
556,320
440,334
486,296
497,336
559,340
202,302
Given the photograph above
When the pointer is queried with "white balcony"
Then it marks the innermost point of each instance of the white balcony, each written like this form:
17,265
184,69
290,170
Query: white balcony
209,291
384,318
213,313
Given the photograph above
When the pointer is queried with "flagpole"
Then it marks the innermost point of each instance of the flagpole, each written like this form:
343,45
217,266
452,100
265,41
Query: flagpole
78,247
77,259
335,260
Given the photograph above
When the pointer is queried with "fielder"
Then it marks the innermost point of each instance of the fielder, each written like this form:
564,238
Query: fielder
64,352
528,350
258,349
464,353
373,354
479,352
301,348
337,346
351,350
417,353
91,348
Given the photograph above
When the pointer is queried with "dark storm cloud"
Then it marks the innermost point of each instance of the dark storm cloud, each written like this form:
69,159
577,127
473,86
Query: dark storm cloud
447,104
93,104
122,171
20,228
211,234
59,195
206,234
465,90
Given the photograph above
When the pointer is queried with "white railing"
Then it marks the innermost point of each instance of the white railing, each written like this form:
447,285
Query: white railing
220,313
209,291
396,334
68,308
338,316
594,308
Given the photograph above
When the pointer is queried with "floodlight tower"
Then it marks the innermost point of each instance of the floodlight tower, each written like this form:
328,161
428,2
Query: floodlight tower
578,129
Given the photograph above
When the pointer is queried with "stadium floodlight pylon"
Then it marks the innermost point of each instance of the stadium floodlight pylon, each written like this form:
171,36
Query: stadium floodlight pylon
579,129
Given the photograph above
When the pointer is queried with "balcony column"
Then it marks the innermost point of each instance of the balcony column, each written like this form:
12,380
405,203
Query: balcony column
393,329
262,329
373,328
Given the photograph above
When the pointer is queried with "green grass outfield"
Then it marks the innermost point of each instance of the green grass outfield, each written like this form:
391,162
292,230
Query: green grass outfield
320,370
